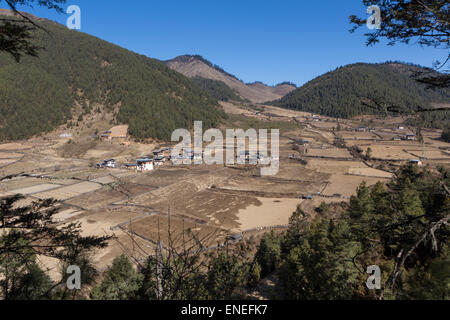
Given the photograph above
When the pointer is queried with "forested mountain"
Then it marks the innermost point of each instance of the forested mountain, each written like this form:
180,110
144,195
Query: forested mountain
217,89
38,94
196,66
339,93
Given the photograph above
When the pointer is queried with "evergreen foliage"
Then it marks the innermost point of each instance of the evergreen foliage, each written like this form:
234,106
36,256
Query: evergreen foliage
446,135
328,258
339,93
217,89
37,95
120,282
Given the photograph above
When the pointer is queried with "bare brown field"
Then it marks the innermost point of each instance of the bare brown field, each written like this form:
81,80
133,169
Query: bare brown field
66,214
218,200
160,178
270,212
430,154
334,166
6,162
15,146
10,155
346,185
209,207
370,172
388,152
293,170
327,125
97,199
329,153
36,189
347,135
266,186
19,183
68,192
157,228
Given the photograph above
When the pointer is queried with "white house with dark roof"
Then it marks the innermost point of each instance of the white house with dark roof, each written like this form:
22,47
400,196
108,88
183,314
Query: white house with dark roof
144,164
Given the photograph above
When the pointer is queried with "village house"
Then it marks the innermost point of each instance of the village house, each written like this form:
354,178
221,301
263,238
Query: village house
131,166
109,163
117,133
361,129
158,152
144,164
159,161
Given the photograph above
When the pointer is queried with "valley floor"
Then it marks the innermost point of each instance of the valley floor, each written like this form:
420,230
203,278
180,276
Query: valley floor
214,202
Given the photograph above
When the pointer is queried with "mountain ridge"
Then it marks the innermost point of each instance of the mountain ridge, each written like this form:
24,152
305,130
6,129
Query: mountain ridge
340,93
196,66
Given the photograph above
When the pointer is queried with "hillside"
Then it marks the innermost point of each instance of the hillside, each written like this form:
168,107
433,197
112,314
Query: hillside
339,93
77,70
196,66
217,89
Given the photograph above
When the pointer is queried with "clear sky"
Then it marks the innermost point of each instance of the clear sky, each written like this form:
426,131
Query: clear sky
270,41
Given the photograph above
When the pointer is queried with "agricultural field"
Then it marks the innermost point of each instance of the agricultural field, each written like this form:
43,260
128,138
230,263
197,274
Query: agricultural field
211,202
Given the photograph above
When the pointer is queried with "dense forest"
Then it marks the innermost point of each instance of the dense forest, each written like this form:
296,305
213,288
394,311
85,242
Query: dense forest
434,119
37,95
340,93
217,89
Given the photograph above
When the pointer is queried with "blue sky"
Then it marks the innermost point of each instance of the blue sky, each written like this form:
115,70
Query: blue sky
270,41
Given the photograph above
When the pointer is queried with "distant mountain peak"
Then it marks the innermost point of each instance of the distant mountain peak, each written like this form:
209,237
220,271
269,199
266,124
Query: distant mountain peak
197,66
